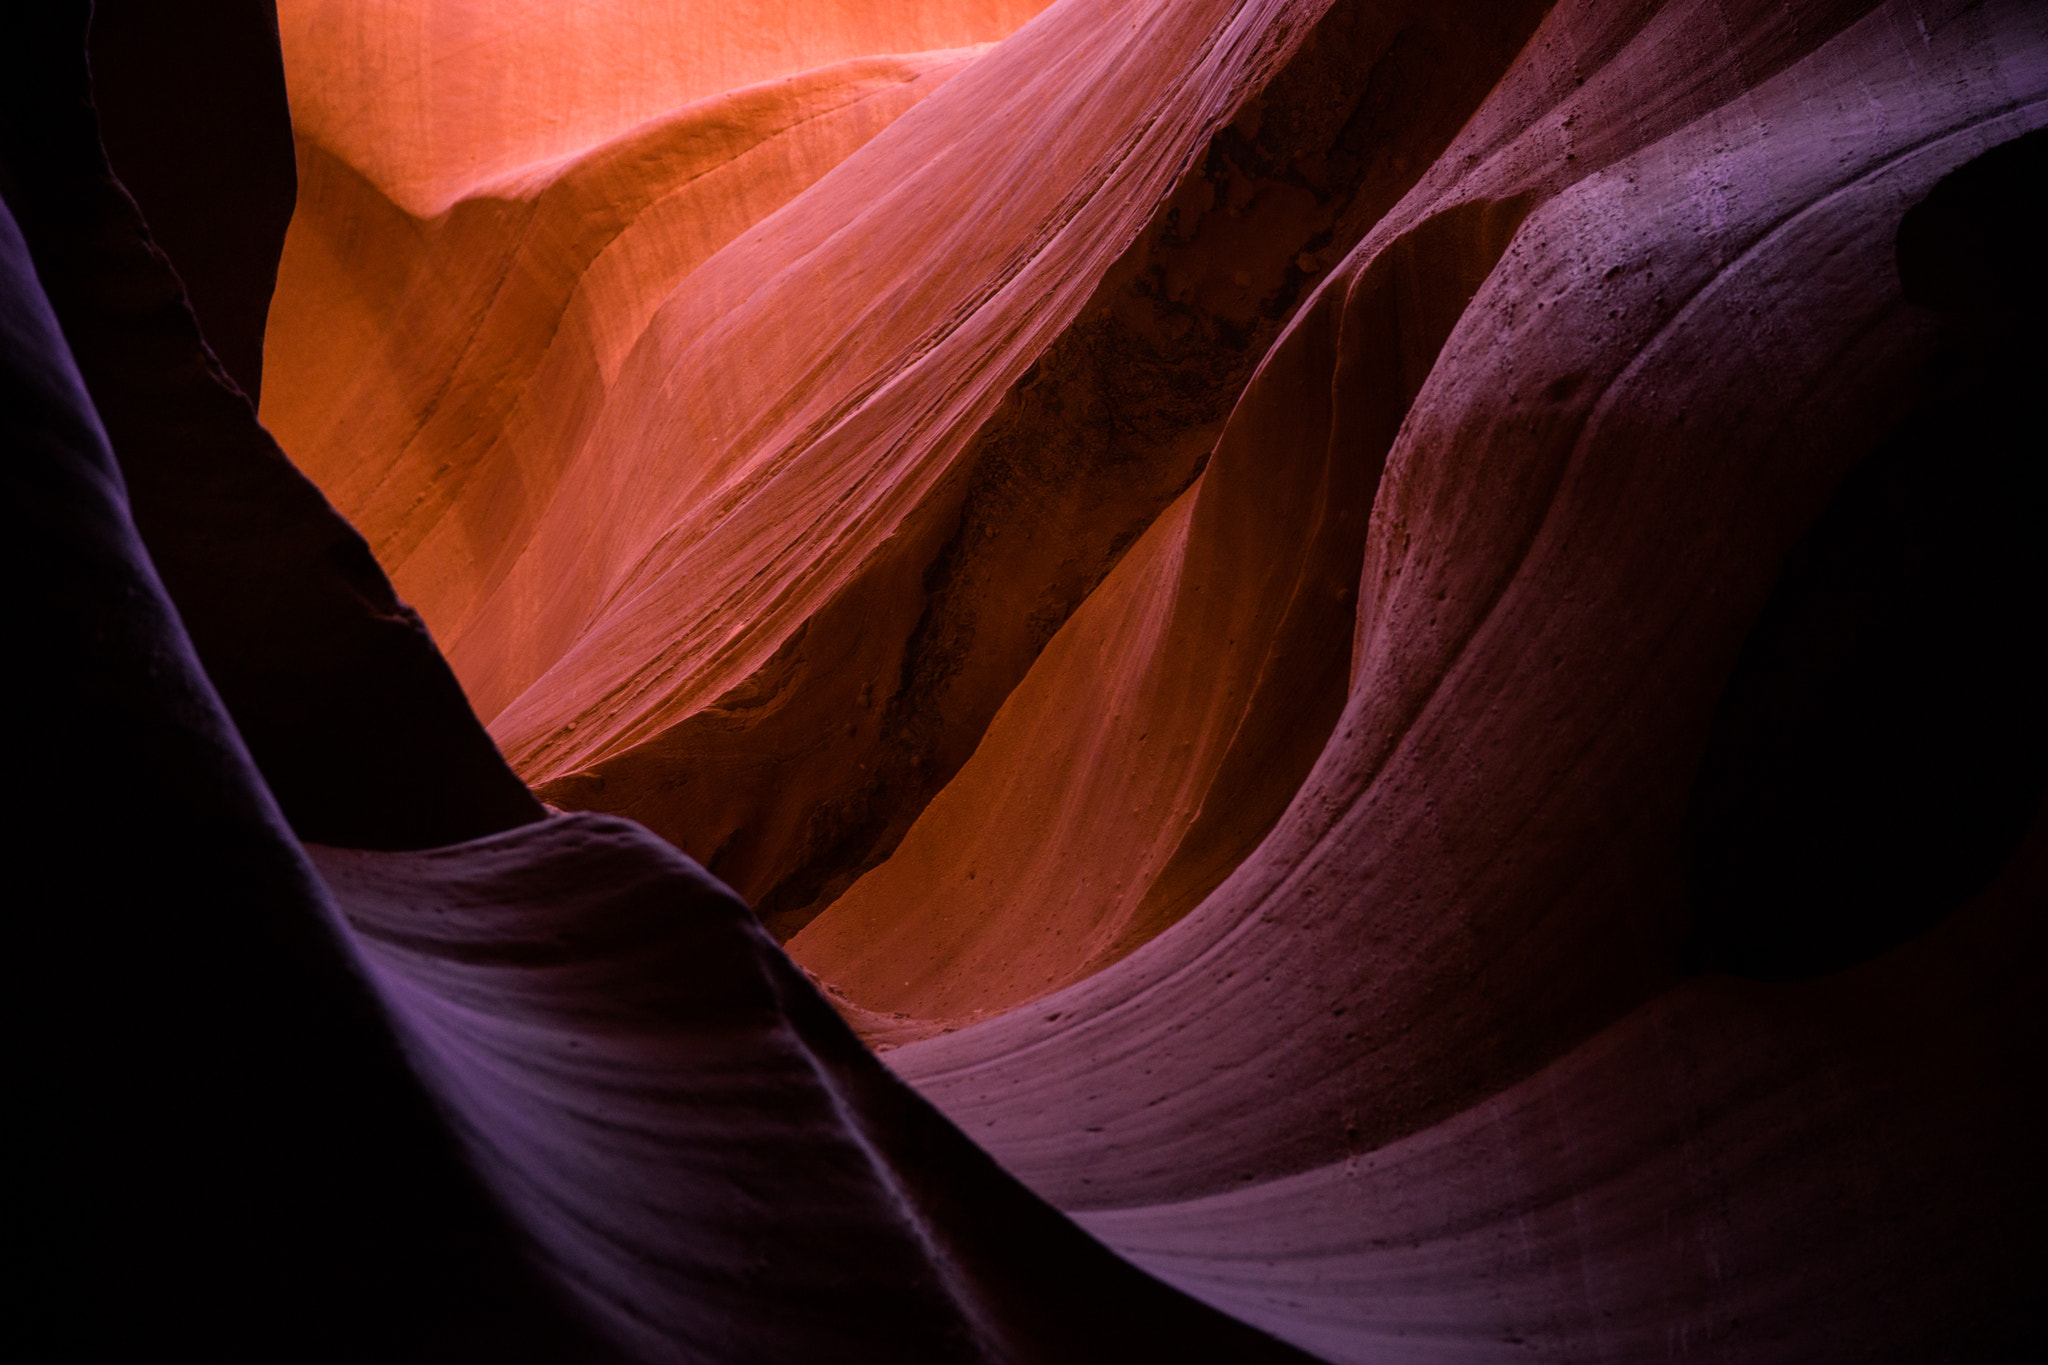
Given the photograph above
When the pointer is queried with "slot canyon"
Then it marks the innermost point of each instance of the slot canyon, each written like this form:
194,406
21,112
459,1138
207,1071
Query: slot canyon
1037,681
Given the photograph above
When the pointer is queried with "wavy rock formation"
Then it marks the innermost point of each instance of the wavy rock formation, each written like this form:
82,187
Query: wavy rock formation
1046,361
702,1151
1465,573
1476,900
648,1135
432,101
1161,733
520,302
1384,650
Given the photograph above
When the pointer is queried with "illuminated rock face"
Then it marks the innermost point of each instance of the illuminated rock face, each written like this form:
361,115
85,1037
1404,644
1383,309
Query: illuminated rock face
1380,645
432,102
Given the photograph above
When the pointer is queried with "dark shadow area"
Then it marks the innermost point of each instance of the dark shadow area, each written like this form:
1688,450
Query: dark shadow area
192,111
357,724
222,1153
1883,741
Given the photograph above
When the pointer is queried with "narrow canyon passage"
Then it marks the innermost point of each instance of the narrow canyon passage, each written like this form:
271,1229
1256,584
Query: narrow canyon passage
997,680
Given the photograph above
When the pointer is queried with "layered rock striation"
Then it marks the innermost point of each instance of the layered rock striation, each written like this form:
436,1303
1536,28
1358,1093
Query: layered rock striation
1371,659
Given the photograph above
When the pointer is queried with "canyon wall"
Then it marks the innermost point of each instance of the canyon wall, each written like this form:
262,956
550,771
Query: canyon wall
1372,660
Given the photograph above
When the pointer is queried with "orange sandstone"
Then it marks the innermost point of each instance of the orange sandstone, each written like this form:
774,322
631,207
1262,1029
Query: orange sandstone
1189,575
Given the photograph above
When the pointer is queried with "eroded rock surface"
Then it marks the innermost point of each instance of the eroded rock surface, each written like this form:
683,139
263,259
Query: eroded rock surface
1381,648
